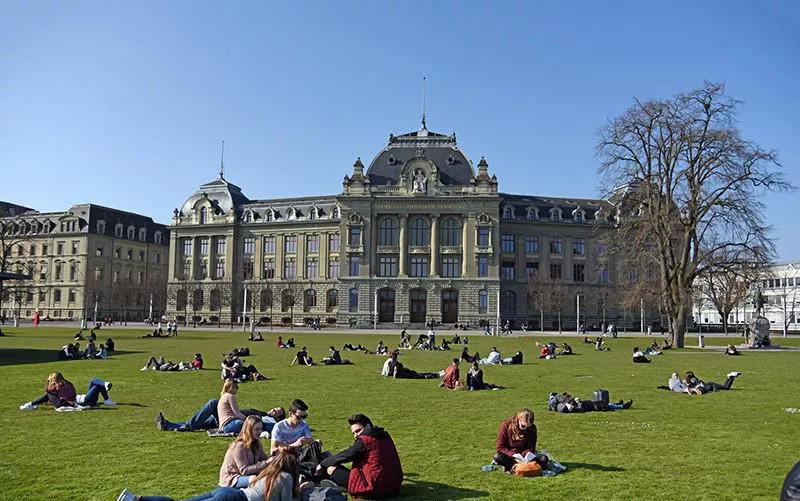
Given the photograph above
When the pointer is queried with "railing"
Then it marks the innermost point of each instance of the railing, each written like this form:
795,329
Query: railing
450,249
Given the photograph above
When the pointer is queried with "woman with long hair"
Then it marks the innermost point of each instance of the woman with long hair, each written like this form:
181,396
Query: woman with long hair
245,456
230,417
516,441
59,392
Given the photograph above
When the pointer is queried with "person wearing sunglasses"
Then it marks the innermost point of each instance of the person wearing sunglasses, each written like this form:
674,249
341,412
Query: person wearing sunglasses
292,431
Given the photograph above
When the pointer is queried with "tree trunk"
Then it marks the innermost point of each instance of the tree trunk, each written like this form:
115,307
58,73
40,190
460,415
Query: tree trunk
541,320
678,328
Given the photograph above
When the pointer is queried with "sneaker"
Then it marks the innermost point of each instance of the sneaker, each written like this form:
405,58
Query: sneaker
126,495
79,399
734,374
143,369
109,402
627,405
28,406
160,422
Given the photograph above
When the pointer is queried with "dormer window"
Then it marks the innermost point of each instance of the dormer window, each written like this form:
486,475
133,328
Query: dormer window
335,213
532,214
203,215
451,160
555,214
131,232
508,212
101,227
579,215
291,213
391,160
248,216
312,214
157,237
143,234
118,229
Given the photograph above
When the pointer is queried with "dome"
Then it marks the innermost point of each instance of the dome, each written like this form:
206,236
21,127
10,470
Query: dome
225,196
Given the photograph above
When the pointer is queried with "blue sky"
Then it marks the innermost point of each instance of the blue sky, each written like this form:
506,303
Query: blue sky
125,103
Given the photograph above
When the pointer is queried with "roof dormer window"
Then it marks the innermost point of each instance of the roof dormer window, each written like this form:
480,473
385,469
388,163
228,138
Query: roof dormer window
143,234
532,214
157,237
555,214
203,215
579,215
508,212
312,214
248,216
131,232
118,229
335,212
291,213
391,160
101,227
451,160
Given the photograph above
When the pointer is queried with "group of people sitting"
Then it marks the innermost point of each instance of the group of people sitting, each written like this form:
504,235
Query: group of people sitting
288,344
72,351
61,394
255,336
451,378
237,369
549,351
566,403
693,385
159,364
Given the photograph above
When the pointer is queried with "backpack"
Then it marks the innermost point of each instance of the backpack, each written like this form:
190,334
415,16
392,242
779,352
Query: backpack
323,494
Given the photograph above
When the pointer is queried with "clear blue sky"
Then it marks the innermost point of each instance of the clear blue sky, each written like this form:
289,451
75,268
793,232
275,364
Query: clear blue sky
125,103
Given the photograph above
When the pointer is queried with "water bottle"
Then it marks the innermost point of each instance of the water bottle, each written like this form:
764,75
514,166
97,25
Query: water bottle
548,473
489,467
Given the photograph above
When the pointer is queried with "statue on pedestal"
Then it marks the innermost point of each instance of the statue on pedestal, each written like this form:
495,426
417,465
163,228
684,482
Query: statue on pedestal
759,326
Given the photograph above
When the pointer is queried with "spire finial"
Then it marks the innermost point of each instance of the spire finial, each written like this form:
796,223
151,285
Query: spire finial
222,161
423,103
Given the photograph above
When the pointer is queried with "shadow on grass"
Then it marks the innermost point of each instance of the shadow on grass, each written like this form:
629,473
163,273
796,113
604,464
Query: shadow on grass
421,489
592,466
19,356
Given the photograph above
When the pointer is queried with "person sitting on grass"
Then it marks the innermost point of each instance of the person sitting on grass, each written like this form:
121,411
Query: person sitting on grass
493,358
566,403
599,345
652,349
381,349
396,370
255,336
230,416
456,339
422,342
697,384
667,345
451,375
475,379
302,358
732,351
279,343
677,385
245,456
334,358
292,431
376,472
110,344
566,349
445,346
515,359
638,356
61,394
78,336
231,366
279,481
516,441
290,342
405,340
465,356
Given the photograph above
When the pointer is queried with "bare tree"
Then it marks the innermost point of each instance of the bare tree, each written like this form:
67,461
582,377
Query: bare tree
725,286
556,296
687,185
266,300
537,295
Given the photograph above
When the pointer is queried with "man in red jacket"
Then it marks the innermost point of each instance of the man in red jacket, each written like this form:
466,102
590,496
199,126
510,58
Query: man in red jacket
451,375
376,471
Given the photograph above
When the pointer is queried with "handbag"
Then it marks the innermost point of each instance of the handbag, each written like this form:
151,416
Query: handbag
532,469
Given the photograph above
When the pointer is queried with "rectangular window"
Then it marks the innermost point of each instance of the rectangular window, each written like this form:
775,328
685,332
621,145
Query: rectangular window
531,269
419,267
355,237
312,244
269,244
73,271
57,295
290,244
579,273
222,246
507,270
334,239
355,265
204,247
157,257
312,268
130,254
32,250
249,247
387,266
219,271
483,266
99,251
141,256
333,268
578,247
187,247
289,268
353,299
203,270
483,302
483,237
451,266
44,249
20,250
247,269
59,248
42,296
75,246
555,246
98,273
59,271
555,271
507,242
269,268
71,296
601,249
531,245
602,276
117,252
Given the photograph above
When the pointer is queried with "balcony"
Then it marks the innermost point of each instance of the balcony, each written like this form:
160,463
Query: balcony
484,249
388,249
450,249
419,249
355,249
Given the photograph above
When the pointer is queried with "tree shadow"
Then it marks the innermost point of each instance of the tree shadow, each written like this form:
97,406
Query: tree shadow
421,489
20,356
592,466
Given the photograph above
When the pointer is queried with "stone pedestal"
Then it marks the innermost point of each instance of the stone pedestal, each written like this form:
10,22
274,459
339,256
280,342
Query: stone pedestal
759,333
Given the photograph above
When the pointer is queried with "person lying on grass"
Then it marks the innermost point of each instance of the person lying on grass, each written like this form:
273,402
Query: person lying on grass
255,336
376,472
475,379
638,356
395,369
159,364
516,441
493,358
61,394
155,333
206,418
700,387
653,349
234,367
566,403
279,481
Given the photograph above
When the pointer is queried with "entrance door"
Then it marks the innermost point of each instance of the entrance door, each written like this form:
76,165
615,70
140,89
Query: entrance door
386,305
449,306
418,306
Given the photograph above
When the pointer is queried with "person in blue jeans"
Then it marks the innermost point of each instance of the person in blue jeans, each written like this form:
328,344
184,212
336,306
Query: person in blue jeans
204,419
97,388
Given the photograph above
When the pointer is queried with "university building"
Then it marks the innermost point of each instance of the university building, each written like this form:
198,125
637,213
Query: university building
419,234
84,262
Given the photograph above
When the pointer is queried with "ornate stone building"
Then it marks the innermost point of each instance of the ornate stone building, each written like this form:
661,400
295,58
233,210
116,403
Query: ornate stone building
85,257
421,235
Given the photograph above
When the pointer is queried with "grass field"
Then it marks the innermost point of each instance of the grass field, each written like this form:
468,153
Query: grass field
728,445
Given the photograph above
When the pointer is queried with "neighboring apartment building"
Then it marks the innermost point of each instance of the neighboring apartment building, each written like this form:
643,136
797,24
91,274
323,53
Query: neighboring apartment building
420,236
84,260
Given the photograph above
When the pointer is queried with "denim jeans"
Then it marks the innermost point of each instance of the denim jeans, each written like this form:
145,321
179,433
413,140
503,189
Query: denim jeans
93,392
243,481
221,494
233,426
204,419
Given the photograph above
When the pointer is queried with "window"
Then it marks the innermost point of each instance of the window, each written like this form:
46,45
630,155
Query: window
186,272
141,256
579,273
309,299
353,299
387,232
555,246
44,249
332,300
219,272
115,276
531,269
450,233
579,215
43,273
214,300
157,258
98,273
99,251
157,237
334,239
203,215
507,270
20,250
117,252
57,295
419,232
355,237
312,268
419,266
249,246
387,266
555,271
247,269
355,265
101,227
203,269
532,214
312,244
333,268
632,276
269,268
269,244
118,230
483,237
187,247
313,213
578,247
222,246
289,268
290,244
59,271
130,254
531,245
265,300
59,249
142,234
42,296
204,247
508,303
451,266
508,212
73,271
507,243
483,302
131,232
32,250
601,249
555,214
71,296
181,300
335,213
483,266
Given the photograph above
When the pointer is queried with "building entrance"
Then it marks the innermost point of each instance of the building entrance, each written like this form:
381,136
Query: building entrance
418,306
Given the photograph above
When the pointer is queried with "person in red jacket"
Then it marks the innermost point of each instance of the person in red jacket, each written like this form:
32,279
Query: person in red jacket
517,436
451,375
376,471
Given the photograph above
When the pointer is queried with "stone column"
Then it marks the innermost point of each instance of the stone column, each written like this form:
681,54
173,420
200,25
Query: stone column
324,255
434,245
403,246
300,256
194,257
373,246
465,245
279,255
174,257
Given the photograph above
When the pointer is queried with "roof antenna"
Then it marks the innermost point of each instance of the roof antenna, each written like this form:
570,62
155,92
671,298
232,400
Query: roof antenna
423,103
222,161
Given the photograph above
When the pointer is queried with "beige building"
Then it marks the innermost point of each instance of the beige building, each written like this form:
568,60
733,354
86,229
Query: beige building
419,235
88,260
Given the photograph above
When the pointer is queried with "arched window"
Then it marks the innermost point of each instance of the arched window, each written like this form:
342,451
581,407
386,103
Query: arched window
335,213
268,216
203,215
131,232
555,214
332,300
483,301
508,212
118,230
197,299
508,303
579,215
265,302
532,214
101,227
287,300
451,232
214,300
180,300
309,299
353,299
420,232
312,214
387,232
157,237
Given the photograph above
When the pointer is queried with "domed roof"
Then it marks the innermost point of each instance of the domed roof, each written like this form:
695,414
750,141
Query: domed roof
226,197
453,166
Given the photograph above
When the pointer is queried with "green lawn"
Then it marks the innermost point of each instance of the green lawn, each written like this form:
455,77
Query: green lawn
729,445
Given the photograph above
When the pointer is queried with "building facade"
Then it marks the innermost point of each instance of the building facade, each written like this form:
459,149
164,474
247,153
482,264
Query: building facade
419,235
88,261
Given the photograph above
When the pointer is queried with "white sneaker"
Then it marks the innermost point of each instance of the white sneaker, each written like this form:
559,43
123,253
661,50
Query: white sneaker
28,406
109,402
79,399
126,495
734,374
143,369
